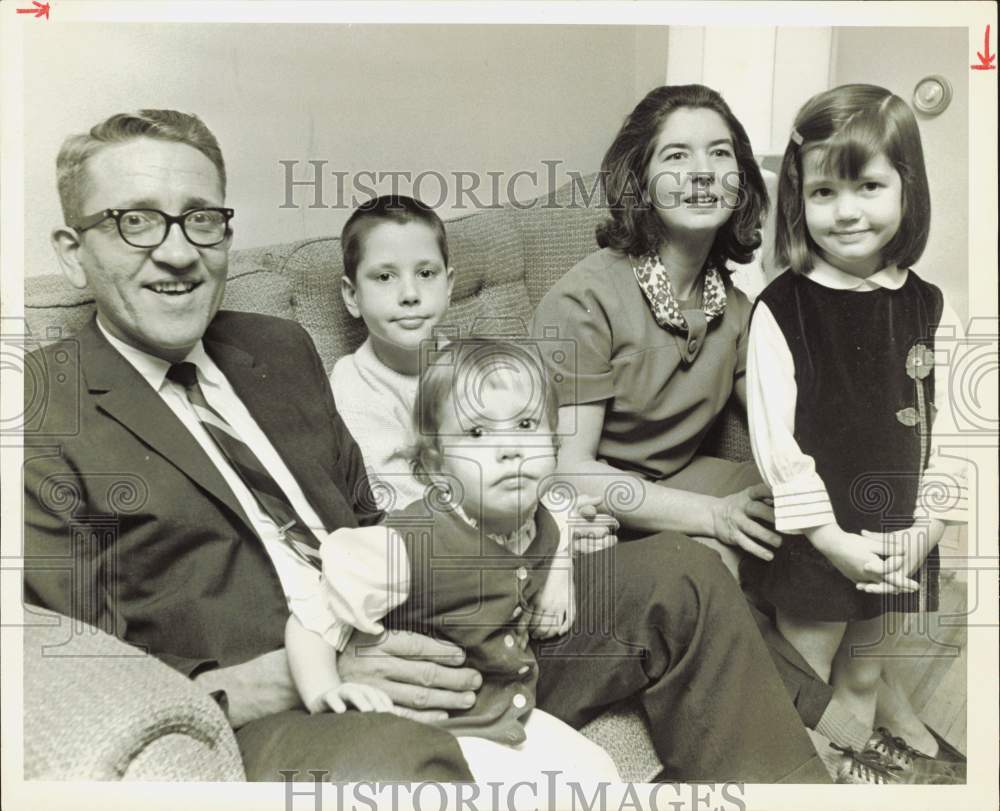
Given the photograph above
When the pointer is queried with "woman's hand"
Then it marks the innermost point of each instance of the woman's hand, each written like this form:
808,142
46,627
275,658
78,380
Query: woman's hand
554,608
740,520
590,529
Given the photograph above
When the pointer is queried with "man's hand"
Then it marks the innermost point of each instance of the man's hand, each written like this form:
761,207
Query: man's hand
423,677
254,689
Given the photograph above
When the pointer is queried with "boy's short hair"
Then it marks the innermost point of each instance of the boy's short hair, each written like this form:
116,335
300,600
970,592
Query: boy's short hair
466,366
164,125
634,225
853,124
395,208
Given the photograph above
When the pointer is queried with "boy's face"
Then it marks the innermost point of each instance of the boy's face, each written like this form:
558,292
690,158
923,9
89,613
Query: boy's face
402,289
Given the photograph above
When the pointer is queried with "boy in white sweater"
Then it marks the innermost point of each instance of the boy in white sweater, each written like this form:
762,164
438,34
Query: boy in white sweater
397,279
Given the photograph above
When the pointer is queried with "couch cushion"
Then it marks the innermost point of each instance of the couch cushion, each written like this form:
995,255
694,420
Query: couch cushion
622,732
558,231
312,269
54,309
489,260
256,284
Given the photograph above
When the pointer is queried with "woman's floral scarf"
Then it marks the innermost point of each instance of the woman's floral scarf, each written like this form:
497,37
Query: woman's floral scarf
655,284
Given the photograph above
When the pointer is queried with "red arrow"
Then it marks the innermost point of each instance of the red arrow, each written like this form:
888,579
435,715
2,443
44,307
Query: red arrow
39,10
985,60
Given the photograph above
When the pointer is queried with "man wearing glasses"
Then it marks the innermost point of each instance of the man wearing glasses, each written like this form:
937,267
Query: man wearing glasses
226,423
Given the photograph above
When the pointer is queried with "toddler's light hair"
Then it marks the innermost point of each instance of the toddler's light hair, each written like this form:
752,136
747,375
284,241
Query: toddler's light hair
453,378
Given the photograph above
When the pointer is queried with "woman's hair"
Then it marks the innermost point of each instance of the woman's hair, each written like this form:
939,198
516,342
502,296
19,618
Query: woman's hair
851,125
164,125
634,226
454,376
388,208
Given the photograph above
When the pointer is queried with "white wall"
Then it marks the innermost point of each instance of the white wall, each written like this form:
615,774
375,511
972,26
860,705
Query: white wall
763,72
377,98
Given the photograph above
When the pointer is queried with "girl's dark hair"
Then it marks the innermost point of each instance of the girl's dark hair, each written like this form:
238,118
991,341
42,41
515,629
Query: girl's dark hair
634,227
388,208
452,378
853,124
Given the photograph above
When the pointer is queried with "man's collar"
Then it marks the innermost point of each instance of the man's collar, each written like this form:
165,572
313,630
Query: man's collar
890,278
154,369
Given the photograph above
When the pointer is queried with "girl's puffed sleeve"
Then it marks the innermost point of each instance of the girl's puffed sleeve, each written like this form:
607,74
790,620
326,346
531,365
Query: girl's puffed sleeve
366,574
801,500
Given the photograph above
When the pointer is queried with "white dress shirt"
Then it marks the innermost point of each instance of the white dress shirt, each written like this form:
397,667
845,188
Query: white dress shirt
801,500
296,576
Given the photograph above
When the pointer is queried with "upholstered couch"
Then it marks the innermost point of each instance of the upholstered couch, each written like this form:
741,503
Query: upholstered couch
118,715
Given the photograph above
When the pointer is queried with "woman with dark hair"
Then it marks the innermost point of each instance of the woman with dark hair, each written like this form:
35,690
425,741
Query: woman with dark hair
660,331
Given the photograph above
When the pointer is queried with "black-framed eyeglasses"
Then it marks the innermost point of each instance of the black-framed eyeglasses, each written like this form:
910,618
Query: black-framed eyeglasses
148,227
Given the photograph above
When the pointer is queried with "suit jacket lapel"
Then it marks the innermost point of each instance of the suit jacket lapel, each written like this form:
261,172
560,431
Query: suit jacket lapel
122,393
270,404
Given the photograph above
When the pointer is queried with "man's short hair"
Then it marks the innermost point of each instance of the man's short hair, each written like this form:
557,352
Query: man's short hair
166,125
395,208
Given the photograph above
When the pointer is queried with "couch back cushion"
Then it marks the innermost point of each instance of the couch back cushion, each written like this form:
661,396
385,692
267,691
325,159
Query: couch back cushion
558,231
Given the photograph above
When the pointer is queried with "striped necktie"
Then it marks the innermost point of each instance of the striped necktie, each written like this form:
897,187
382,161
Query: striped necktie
291,528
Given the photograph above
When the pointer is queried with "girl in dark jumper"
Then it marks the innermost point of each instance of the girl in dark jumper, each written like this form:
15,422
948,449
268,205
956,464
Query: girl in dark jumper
842,396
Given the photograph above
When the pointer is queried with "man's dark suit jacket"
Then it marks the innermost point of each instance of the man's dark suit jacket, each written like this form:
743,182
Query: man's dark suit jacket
130,527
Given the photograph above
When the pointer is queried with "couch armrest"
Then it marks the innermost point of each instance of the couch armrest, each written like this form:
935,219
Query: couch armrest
98,709
623,733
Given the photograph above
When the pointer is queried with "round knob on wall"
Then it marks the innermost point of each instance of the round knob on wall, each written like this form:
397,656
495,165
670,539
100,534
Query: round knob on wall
932,95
